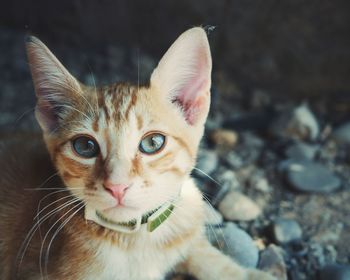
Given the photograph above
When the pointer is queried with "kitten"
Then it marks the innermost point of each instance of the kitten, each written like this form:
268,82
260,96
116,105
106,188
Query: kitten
111,197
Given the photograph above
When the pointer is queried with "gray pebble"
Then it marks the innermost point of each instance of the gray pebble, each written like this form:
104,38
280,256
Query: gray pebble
235,243
272,261
302,151
342,133
311,177
234,160
214,192
286,230
206,163
212,216
334,272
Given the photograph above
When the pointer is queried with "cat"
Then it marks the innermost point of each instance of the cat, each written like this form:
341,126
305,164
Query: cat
107,193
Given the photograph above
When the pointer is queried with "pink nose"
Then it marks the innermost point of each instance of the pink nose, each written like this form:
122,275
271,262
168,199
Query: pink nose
116,190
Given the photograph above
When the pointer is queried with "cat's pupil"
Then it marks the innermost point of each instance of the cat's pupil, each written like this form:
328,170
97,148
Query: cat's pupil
85,147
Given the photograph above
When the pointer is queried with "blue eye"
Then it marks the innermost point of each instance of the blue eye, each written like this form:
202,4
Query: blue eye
152,143
85,146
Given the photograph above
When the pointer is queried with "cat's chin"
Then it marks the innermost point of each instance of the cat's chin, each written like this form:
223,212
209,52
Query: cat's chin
122,213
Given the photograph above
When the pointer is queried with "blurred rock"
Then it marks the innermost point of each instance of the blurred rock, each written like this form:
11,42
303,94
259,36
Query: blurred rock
236,243
258,181
286,230
213,217
311,177
342,134
233,160
224,138
298,124
334,272
229,177
271,260
329,235
301,151
215,192
207,162
238,207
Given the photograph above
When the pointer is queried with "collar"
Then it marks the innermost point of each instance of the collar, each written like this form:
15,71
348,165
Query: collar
153,218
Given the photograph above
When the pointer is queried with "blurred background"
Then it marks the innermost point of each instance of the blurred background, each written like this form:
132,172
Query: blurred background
278,135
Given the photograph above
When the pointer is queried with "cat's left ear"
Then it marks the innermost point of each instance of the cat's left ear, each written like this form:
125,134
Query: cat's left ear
184,75
56,89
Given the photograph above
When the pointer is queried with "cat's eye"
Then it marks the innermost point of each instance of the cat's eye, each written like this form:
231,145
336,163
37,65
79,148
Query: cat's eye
152,143
85,146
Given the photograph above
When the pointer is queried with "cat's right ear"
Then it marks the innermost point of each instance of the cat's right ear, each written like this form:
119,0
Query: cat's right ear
54,85
183,75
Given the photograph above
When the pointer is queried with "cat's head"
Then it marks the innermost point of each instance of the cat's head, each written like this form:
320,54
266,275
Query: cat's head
125,148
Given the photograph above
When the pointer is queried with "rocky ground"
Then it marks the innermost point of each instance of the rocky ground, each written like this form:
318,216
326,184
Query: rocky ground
276,170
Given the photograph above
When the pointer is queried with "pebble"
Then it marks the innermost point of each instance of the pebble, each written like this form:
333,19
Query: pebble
342,134
234,160
212,216
229,177
334,272
271,260
235,243
299,124
309,176
206,163
236,206
302,151
224,138
286,230
304,123
215,192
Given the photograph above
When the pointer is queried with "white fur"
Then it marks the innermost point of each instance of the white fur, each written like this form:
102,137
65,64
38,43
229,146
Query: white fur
147,259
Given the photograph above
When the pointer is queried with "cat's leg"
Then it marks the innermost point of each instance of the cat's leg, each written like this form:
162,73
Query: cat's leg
205,262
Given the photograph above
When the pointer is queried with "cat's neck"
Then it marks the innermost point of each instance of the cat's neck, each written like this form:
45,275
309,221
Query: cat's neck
187,209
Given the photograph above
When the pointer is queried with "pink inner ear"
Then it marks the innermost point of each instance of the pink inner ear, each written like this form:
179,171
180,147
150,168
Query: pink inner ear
192,96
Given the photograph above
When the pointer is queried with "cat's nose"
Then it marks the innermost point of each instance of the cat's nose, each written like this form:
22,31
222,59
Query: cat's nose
116,190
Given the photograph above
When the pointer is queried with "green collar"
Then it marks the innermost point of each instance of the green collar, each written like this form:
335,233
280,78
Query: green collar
153,218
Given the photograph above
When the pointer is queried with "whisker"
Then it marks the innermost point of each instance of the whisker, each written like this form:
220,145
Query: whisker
47,233
30,234
49,189
207,175
47,206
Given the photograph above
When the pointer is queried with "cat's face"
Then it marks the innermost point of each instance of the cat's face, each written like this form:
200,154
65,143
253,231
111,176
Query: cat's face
124,149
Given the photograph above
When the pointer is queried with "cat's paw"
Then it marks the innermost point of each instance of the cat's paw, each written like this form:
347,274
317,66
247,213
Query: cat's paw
253,274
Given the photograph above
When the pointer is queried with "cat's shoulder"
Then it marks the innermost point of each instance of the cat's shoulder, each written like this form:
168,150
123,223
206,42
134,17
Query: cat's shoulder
24,159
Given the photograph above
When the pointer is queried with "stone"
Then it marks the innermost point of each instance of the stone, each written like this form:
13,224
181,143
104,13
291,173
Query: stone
342,134
212,216
334,272
271,260
224,138
229,177
302,151
298,124
235,243
236,206
207,162
286,230
215,192
329,235
258,181
309,176
233,160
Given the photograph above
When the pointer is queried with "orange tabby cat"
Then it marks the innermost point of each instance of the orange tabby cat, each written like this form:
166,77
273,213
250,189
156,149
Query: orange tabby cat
113,197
